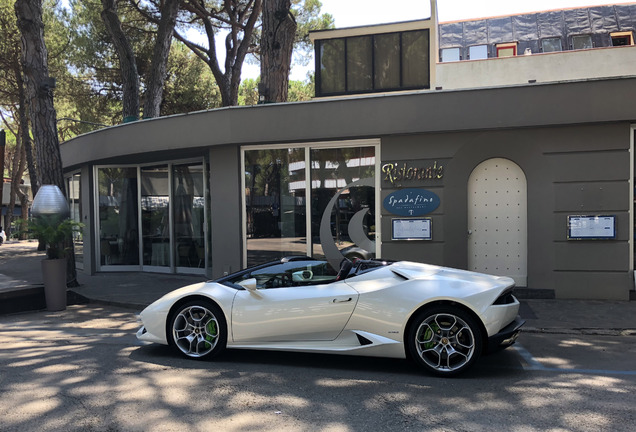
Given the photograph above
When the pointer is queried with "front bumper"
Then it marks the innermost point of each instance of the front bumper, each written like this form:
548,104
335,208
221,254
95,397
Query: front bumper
506,336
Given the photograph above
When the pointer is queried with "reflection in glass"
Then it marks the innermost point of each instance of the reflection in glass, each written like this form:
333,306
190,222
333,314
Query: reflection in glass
332,66
332,170
387,61
275,204
359,64
118,216
189,214
155,217
415,56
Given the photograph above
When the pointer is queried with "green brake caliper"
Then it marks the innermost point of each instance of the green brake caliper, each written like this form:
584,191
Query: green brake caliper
428,335
210,332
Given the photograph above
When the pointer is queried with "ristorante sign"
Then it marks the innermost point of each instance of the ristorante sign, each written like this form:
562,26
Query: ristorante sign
398,172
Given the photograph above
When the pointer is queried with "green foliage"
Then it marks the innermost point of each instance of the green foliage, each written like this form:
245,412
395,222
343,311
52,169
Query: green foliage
300,91
190,85
52,231
248,92
308,18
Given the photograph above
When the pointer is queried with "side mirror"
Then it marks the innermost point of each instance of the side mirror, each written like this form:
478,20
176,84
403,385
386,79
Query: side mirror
249,284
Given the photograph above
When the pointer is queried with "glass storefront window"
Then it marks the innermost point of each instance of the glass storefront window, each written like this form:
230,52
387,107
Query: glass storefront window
343,203
341,207
118,216
155,216
275,204
188,191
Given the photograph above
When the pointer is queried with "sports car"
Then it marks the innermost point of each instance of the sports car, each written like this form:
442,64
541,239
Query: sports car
443,318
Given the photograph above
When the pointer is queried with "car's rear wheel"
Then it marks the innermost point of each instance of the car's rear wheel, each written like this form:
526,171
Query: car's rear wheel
445,340
198,329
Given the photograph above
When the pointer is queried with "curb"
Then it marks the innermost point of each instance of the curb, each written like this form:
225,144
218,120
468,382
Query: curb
581,331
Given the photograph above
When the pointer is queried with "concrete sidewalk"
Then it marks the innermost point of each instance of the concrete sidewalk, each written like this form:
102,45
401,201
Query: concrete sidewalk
20,270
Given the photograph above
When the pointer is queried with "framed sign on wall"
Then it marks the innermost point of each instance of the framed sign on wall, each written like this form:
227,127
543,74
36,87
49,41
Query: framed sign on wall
411,229
601,227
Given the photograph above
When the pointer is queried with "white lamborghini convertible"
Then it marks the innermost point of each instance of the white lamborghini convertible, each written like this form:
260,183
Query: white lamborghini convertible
443,318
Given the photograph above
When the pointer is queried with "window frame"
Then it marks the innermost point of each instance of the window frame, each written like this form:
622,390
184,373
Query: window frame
554,38
580,36
506,46
318,61
629,34
371,142
470,57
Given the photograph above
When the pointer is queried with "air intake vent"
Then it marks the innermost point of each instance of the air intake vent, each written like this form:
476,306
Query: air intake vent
363,341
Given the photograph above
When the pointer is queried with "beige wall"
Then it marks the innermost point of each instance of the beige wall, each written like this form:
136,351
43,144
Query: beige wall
540,68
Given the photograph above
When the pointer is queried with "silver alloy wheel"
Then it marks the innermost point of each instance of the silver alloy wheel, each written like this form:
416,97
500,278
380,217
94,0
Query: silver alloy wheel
445,342
195,331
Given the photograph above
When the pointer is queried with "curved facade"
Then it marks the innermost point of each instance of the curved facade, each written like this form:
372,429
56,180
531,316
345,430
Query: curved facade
211,192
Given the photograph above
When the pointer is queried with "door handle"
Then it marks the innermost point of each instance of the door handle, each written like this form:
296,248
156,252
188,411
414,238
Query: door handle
342,300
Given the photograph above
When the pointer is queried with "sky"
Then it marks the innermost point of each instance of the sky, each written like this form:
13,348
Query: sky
351,13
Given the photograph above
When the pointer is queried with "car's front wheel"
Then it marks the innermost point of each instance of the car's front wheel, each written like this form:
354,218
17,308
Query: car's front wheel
445,340
198,329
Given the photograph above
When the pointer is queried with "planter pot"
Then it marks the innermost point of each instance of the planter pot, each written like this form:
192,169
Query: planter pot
54,276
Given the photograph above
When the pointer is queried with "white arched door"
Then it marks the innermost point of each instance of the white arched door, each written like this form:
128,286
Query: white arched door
497,220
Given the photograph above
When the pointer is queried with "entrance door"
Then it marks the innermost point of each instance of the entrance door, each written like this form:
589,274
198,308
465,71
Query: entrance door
497,220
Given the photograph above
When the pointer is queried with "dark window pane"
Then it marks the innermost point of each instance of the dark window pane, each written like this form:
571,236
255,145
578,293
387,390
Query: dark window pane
189,215
582,42
415,56
359,64
332,66
118,216
551,45
387,61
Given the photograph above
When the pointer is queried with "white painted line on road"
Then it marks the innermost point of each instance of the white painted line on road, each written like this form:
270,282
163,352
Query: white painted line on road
532,364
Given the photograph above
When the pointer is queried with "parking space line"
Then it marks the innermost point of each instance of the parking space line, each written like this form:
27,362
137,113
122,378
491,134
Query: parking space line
532,364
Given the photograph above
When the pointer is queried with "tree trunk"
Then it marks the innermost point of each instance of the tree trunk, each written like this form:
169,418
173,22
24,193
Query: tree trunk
39,91
160,55
277,43
127,63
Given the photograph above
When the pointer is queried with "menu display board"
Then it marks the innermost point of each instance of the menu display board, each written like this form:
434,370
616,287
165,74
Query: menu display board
591,227
412,229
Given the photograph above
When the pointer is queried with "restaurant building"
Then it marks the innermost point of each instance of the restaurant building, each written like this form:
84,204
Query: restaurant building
517,165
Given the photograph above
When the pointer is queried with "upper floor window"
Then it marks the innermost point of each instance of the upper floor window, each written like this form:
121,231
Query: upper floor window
622,38
551,45
507,49
450,54
369,63
478,52
582,42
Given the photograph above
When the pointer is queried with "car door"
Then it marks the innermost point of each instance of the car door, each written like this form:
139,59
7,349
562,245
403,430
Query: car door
293,313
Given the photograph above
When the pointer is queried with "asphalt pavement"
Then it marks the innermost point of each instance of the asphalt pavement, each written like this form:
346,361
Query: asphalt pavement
20,270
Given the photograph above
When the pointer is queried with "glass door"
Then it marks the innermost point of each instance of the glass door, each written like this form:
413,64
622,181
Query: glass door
188,217
155,218
118,218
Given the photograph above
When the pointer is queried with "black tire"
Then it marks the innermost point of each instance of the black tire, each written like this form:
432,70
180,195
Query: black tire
445,340
204,323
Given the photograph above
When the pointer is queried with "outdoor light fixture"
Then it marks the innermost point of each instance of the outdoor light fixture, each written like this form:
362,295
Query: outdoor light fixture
50,201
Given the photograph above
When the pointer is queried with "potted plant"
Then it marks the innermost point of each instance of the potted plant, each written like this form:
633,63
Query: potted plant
52,226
